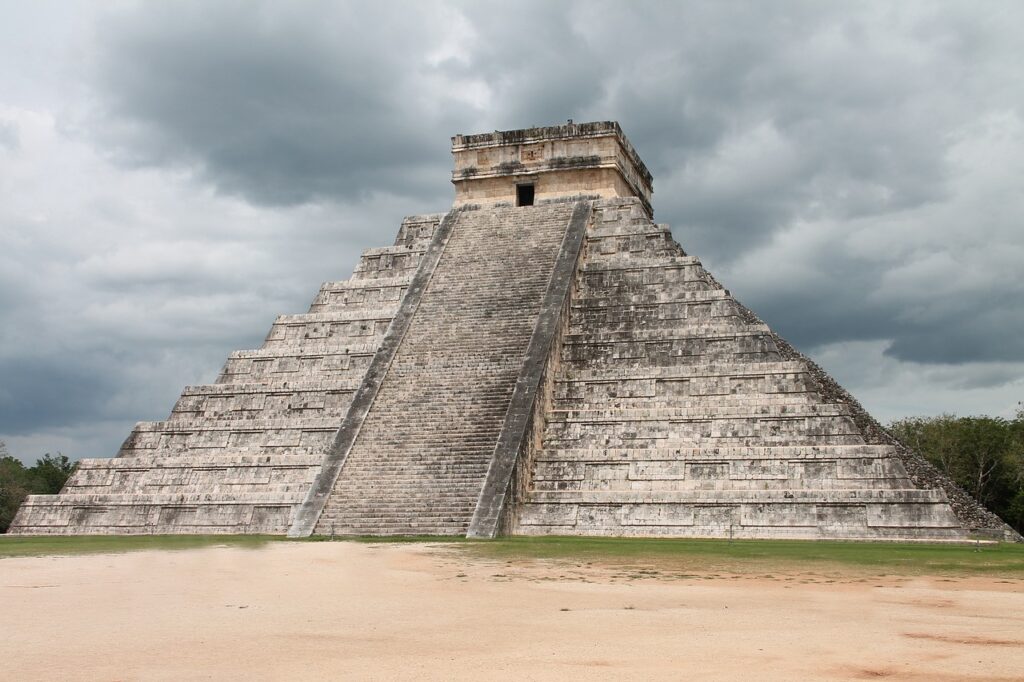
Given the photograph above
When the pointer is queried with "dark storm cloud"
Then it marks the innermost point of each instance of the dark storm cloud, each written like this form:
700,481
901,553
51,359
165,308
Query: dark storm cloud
39,393
276,105
986,328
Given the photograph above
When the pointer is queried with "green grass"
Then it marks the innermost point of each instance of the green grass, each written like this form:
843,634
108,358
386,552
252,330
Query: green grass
385,539
16,546
747,555
738,556
58,545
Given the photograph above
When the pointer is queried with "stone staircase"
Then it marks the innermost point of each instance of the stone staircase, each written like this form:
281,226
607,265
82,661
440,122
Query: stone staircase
423,450
674,414
239,455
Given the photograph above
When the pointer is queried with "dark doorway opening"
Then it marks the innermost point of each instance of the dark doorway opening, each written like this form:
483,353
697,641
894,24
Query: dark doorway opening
524,195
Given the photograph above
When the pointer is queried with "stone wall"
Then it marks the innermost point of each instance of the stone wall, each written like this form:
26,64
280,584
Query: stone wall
560,161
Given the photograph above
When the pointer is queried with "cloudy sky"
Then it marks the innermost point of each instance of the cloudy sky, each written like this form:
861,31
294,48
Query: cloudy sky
173,175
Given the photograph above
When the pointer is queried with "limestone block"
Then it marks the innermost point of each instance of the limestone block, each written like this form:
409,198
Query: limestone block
909,515
549,514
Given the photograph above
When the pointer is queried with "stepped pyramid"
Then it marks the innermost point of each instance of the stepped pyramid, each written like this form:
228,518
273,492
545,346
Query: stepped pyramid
541,359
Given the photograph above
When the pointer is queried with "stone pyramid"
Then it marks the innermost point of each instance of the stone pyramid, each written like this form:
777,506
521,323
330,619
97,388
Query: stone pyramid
541,359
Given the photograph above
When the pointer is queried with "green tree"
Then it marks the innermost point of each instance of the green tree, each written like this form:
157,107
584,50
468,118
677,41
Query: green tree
13,487
984,455
17,481
50,473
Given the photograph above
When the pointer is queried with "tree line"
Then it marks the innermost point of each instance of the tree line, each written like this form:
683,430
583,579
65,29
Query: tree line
17,481
983,455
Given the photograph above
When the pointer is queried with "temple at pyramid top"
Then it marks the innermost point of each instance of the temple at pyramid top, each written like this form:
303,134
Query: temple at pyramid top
519,167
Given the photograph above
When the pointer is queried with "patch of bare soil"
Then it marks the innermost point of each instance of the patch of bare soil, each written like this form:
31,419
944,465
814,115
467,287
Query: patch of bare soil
344,610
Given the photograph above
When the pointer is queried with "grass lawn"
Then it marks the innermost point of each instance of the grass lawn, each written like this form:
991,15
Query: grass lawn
14,546
743,556
737,556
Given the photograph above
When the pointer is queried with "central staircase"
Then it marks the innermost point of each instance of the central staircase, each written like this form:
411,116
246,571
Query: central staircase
422,453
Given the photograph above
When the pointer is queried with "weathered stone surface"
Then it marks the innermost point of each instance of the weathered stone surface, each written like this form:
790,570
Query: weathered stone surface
593,159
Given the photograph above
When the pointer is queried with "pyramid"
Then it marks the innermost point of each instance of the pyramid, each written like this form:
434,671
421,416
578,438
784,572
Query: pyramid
541,359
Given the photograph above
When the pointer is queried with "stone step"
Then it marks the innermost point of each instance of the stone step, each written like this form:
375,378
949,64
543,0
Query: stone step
417,231
712,473
222,497
398,282
206,482
659,414
597,281
698,351
232,458
312,348
623,263
786,497
705,332
394,250
274,400
730,484
719,454
341,332
387,262
601,232
206,434
650,299
792,436
657,316
197,425
725,312
215,454
211,445
612,403
713,369
280,365
408,501
139,514
297,383
351,300
415,476
381,312
387,271
854,519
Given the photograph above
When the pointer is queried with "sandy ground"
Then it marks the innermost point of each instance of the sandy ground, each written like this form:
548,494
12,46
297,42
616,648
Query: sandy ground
296,611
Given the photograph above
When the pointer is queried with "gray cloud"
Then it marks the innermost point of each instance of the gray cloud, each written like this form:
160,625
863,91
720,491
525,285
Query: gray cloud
279,106
8,136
